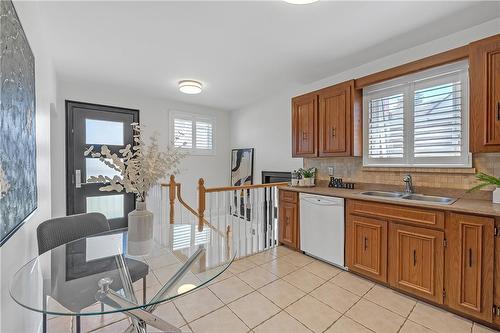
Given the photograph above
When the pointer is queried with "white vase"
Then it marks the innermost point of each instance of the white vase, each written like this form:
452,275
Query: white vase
309,181
496,195
140,230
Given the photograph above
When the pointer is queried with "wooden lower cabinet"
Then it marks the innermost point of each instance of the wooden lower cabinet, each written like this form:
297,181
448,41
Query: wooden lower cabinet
366,250
469,264
496,284
416,261
288,224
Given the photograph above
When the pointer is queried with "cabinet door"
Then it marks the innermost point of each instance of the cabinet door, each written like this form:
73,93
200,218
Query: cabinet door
485,94
366,247
335,121
469,264
416,261
288,224
496,318
304,126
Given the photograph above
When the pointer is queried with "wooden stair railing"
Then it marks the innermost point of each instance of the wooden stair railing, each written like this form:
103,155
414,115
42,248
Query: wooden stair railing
203,191
174,192
249,209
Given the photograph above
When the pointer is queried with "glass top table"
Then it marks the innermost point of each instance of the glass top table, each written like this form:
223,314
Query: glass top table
96,275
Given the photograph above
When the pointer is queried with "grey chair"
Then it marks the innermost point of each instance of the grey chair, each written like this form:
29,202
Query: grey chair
58,231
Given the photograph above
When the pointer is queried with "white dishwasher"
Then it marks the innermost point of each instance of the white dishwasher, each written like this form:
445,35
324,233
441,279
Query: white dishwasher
322,227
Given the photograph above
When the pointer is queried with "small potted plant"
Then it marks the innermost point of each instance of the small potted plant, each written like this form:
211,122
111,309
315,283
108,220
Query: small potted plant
487,180
308,176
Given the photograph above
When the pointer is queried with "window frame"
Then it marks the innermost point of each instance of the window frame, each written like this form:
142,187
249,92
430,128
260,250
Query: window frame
193,117
407,85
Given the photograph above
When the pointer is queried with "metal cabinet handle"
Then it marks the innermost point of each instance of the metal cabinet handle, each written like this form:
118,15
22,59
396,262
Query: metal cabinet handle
414,257
333,132
78,178
498,110
366,243
304,135
470,257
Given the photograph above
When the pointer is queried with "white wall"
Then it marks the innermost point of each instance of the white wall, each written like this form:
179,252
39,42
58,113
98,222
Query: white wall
22,246
153,114
266,125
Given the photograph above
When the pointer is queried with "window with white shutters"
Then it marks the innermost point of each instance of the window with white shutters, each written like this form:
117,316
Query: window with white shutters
419,119
193,132
183,131
204,138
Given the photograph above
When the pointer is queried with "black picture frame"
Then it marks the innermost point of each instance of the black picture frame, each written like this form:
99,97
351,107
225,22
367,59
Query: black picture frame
236,165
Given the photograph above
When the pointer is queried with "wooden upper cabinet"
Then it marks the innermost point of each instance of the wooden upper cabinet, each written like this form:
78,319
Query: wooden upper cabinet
327,122
334,120
416,261
469,264
484,72
305,126
366,246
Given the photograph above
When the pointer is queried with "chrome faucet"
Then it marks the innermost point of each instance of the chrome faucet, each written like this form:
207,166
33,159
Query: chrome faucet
408,184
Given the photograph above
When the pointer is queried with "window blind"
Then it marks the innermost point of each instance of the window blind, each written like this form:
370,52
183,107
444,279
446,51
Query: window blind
183,132
386,127
181,237
438,121
203,135
418,120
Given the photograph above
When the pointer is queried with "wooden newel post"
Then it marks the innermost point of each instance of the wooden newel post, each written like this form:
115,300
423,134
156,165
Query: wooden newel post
171,197
201,203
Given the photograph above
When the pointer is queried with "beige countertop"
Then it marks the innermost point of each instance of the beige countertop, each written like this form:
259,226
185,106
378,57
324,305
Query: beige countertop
463,205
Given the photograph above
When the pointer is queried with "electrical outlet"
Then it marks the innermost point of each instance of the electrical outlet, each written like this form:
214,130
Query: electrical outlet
331,171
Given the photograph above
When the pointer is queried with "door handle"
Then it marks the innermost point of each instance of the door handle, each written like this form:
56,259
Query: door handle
366,243
333,132
304,135
498,110
78,178
414,257
470,257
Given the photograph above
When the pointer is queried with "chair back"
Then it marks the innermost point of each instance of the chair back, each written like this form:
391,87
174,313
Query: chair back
61,230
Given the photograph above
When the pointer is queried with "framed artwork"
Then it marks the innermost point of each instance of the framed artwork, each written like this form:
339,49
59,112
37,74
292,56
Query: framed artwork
242,167
18,186
241,174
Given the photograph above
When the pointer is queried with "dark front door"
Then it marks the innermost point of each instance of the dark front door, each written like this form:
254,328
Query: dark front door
96,125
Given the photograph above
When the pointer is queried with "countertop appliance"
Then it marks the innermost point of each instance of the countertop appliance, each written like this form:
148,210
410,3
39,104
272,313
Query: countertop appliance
322,227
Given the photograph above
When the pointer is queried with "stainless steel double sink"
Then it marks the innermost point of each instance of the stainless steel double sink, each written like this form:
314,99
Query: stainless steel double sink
411,196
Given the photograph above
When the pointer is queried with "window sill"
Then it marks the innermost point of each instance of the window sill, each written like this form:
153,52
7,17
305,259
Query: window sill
420,170
197,152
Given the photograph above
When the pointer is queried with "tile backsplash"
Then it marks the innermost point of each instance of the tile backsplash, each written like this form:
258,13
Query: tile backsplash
351,169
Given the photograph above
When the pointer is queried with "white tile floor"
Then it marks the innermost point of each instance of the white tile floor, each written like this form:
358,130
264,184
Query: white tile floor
284,291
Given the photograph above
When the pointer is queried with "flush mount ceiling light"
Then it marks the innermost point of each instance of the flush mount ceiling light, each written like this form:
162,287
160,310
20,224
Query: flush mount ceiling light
300,2
190,87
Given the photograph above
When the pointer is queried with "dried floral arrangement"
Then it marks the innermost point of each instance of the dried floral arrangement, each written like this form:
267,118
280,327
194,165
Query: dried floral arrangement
140,165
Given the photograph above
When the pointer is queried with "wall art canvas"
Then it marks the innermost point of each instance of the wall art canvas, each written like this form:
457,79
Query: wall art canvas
18,187
242,167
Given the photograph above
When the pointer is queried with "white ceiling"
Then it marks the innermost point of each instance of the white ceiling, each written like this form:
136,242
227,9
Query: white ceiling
241,51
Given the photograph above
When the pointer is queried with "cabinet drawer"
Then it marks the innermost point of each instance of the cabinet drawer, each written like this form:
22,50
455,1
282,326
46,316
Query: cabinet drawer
288,196
397,213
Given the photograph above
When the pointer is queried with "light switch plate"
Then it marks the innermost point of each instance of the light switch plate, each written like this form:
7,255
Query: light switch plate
331,171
